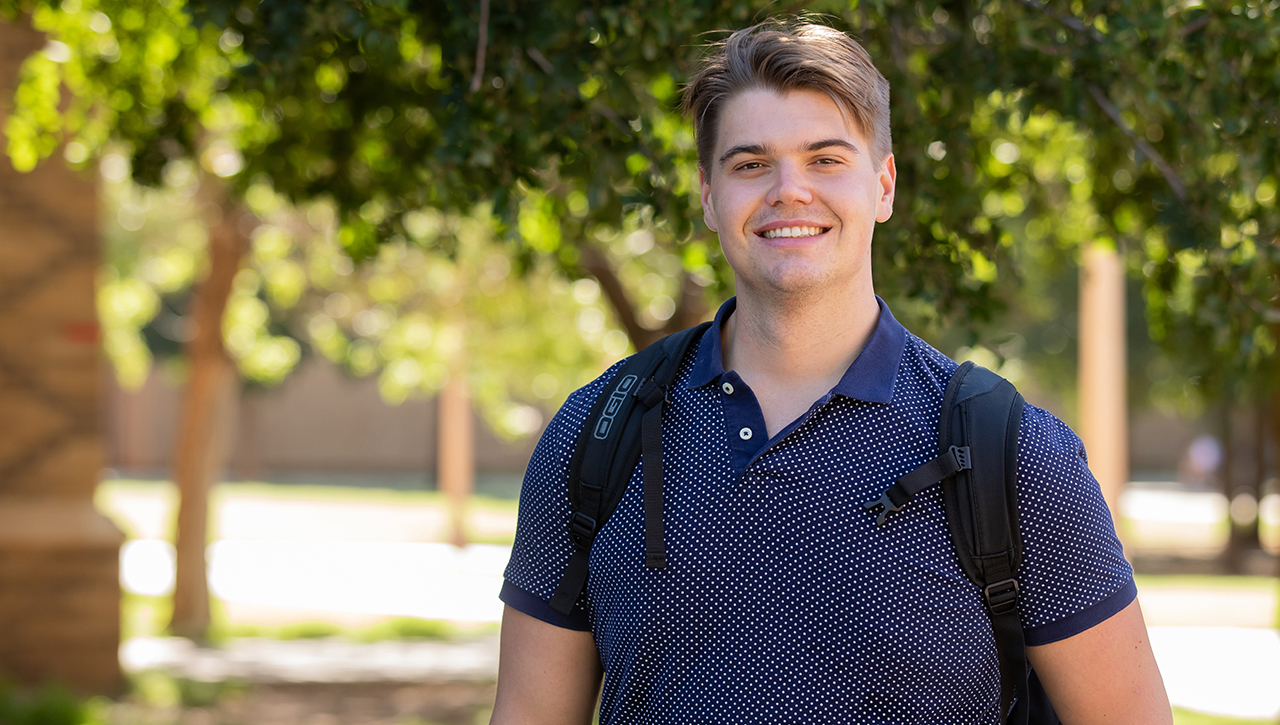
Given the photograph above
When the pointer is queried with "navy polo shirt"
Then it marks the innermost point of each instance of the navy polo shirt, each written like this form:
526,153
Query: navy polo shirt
782,601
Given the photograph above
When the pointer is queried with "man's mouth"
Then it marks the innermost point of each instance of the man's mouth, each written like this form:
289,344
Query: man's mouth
793,232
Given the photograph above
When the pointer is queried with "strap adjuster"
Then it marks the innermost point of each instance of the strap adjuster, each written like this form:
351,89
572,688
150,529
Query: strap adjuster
1001,596
650,393
582,528
962,457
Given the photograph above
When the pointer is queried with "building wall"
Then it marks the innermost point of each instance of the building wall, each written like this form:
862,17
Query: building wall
59,570
318,420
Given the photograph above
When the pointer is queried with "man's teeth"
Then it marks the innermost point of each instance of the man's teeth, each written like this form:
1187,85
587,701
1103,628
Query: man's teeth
793,232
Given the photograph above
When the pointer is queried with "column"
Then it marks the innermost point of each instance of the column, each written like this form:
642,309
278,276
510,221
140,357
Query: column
59,558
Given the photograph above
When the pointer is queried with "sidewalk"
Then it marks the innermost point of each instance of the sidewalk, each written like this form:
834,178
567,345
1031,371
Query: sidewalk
327,660
1214,646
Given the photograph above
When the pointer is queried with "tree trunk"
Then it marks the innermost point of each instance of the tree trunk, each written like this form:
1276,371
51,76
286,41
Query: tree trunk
1104,422
202,434
691,305
1232,554
456,450
1250,537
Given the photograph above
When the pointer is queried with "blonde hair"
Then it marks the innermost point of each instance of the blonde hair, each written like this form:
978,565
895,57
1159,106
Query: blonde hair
784,55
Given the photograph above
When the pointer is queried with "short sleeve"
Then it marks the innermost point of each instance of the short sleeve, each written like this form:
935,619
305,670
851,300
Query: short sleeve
1074,574
543,548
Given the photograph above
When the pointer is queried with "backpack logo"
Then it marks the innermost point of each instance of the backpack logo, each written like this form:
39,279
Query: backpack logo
613,405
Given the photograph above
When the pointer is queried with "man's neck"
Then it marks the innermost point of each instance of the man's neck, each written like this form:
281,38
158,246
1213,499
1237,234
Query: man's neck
792,353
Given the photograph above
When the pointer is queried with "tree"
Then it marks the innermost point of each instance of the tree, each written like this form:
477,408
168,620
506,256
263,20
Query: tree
561,116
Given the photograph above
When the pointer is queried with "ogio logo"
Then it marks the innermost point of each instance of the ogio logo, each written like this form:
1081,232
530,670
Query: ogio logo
613,405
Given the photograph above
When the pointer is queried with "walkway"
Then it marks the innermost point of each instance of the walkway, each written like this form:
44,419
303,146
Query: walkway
1215,646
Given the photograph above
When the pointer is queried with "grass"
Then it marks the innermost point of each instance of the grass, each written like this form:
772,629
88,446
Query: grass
142,616
1191,717
266,489
1207,581
1210,582
107,491
50,705
393,628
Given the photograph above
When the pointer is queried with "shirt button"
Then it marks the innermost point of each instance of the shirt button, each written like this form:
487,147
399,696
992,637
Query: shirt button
727,388
745,434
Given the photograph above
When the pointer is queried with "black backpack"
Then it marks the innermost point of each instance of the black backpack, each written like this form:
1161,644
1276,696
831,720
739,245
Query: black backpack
978,444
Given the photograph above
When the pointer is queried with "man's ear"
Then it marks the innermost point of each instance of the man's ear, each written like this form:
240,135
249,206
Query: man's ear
888,183
708,210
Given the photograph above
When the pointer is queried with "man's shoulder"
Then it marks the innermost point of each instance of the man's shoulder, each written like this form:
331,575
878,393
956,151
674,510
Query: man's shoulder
923,373
573,413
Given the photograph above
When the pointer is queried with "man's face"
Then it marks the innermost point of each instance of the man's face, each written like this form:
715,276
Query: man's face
794,193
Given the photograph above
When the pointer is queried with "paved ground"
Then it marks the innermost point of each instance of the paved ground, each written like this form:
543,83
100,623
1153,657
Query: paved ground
328,660
290,560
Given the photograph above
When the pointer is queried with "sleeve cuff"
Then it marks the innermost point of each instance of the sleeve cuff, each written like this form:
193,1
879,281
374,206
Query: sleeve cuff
533,605
1079,622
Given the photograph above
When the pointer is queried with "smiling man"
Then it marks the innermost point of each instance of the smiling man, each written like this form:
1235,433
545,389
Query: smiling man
781,600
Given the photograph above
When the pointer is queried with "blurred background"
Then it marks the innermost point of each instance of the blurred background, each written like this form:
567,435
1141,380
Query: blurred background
290,289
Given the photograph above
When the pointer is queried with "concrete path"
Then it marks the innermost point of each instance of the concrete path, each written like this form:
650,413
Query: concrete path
328,660
1215,648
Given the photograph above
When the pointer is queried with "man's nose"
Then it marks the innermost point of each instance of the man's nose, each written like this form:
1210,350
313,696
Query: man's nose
790,186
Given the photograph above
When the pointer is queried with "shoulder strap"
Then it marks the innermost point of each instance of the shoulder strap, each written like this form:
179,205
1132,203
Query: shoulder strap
981,506
625,418
978,439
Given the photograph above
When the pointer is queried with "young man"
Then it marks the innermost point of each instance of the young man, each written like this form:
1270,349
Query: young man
782,601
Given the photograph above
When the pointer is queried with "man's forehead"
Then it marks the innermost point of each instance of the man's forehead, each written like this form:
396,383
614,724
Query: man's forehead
772,122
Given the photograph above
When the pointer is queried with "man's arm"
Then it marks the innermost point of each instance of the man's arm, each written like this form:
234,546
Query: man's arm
546,674
1105,674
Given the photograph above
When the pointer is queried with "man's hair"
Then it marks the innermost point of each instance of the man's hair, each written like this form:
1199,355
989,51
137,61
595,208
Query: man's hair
784,55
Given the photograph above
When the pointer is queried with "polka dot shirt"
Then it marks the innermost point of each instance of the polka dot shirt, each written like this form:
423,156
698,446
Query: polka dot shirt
782,601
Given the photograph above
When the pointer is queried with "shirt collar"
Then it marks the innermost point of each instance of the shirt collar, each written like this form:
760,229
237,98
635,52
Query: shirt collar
870,378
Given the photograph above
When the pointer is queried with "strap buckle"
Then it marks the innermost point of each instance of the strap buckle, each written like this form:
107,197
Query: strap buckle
1001,596
582,528
647,393
962,457
882,506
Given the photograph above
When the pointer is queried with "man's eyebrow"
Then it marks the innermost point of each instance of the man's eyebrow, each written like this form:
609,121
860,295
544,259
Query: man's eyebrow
828,143
753,149
756,149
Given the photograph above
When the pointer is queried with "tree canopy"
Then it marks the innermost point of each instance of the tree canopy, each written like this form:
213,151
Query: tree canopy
561,117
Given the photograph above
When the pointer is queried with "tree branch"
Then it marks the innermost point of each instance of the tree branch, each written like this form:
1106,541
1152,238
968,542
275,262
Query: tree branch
691,308
1071,22
598,266
1195,25
1171,176
540,59
481,45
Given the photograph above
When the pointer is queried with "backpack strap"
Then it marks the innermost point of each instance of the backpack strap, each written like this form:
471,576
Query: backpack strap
625,419
981,507
978,436
953,460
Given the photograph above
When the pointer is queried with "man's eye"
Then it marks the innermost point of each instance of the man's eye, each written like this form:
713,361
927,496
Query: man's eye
749,166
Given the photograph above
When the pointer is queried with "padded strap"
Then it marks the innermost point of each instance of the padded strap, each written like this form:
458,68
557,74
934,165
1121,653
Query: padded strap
607,451
1001,597
572,581
655,549
652,396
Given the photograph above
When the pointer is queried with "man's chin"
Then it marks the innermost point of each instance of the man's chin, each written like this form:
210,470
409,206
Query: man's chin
793,281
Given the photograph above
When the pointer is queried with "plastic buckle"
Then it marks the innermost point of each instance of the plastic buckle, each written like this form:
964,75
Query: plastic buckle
1001,596
962,457
882,506
644,392
582,528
